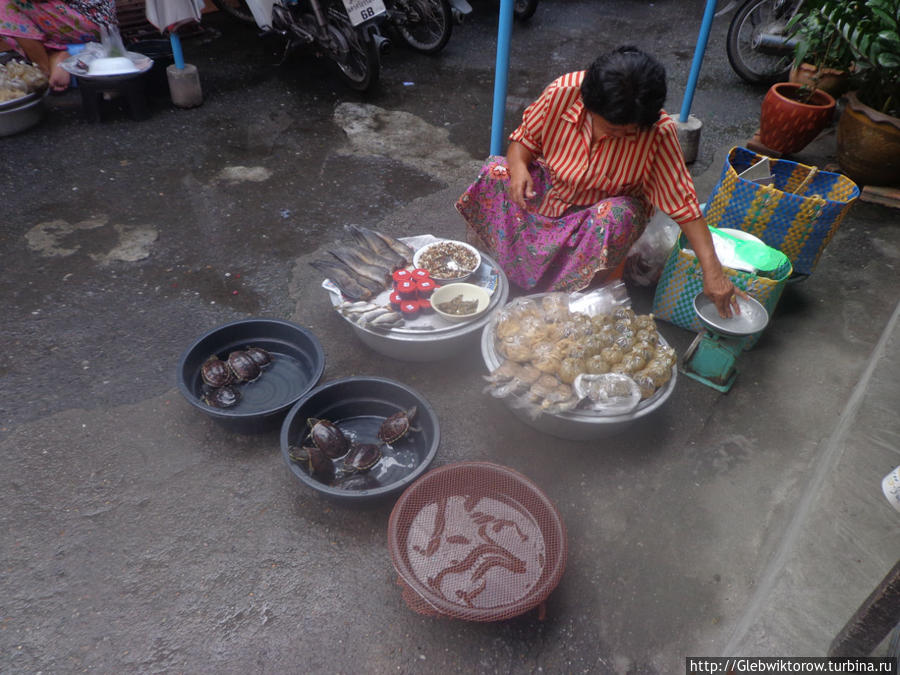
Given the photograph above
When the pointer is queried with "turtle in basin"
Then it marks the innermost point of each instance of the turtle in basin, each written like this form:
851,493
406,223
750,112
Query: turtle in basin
397,425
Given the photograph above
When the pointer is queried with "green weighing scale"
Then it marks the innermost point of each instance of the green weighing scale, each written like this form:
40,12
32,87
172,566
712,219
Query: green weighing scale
712,356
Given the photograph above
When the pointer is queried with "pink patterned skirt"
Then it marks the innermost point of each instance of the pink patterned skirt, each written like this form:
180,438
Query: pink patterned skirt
55,24
541,253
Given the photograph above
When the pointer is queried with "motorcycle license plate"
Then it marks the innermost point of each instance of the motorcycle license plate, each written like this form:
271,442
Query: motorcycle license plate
363,10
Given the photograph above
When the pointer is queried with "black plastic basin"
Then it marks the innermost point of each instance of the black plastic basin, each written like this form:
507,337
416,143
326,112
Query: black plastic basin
297,365
358,406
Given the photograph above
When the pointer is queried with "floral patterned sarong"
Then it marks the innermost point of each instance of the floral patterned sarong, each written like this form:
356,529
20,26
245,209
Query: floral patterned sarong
56,24
541,253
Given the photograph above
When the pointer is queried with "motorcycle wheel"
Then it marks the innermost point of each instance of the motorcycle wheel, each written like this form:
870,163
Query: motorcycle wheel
751,20
360,63
427,25
237,9
524,9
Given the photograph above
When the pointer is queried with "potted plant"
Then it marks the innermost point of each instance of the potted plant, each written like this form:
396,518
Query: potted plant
794,113
822,58
868,138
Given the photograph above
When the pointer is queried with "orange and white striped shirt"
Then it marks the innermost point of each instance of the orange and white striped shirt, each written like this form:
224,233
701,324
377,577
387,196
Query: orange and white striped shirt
649,163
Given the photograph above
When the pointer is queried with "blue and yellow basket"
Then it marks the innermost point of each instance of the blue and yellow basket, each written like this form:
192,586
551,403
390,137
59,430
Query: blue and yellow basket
798,214
682,279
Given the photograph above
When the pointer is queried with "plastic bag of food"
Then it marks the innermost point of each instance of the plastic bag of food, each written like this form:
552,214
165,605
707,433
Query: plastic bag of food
508,320
603,300
555,307
609,393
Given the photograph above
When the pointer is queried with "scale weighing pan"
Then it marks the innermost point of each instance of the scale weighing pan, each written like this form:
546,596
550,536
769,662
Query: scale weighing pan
752,319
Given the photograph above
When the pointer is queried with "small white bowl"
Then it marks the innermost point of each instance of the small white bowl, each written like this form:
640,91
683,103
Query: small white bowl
112,65
417,257
468,292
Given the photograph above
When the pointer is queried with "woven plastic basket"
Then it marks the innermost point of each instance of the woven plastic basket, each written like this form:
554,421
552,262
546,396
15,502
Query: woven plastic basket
476,541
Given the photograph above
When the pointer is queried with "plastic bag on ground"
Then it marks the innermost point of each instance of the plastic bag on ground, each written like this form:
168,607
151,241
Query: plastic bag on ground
647,256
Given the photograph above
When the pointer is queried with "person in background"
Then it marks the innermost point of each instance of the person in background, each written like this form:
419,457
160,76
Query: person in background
594,155
42,31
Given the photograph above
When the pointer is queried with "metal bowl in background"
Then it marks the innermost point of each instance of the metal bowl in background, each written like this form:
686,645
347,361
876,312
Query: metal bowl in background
79,66
18,118
358,406
579,425
297,365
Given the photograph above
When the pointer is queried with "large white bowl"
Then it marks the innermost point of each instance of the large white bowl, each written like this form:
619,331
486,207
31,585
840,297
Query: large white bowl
417,257
468,292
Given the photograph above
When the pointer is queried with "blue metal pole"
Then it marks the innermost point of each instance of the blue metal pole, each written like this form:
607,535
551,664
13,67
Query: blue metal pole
501,70
700,50
176,50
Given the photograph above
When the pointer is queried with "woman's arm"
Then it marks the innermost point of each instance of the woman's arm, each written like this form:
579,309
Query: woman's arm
521,187
716,285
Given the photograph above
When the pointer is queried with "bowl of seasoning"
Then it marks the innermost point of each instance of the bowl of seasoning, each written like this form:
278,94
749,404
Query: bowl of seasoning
460,302
448,261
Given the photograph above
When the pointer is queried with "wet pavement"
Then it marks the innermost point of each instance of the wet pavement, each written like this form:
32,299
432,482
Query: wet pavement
142,537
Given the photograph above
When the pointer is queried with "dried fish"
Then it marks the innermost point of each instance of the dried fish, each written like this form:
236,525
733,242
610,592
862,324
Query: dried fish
367,255
360,267
371,315
367,238
349,285
388,320
396,245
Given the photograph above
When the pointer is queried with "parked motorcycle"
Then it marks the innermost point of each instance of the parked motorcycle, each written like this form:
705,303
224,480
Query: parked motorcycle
345,31
425,25
524,9
759,45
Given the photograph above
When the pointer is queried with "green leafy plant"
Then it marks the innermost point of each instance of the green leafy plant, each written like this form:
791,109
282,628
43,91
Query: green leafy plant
871,32
818,40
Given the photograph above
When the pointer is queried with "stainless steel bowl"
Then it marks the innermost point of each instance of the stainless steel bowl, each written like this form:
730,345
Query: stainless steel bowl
22,100
579,425
19,118
447,340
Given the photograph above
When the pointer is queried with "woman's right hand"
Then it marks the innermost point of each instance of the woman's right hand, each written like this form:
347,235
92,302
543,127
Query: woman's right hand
521,187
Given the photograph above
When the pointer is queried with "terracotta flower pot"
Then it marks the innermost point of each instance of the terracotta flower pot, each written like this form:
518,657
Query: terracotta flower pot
835,82
868,144
786,124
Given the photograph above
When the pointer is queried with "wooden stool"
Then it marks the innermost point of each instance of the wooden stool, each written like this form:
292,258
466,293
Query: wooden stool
133,89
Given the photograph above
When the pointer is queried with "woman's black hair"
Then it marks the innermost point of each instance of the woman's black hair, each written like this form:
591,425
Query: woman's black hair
625,86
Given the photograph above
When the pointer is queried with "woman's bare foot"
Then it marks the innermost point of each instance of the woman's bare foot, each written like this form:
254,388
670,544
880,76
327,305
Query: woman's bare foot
59,78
